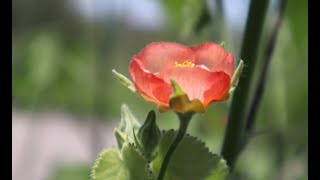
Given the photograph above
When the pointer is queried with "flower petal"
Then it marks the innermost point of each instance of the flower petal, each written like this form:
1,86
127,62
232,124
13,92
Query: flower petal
215,57
149,86
219,89
196,81
157,56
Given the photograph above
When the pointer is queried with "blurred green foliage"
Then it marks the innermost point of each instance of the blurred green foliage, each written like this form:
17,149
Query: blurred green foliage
76,171
62,61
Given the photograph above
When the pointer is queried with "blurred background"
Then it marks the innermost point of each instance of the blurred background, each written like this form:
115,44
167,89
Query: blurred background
66,101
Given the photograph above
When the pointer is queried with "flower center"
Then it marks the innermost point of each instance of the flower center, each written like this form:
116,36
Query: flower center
186,63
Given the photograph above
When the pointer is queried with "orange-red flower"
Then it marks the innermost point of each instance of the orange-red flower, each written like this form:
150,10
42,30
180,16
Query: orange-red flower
203,72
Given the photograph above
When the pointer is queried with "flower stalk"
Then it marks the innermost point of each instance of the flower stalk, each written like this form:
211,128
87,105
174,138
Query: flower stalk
184,119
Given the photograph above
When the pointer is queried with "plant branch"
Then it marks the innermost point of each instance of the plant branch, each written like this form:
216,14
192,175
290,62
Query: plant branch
262,79
250,46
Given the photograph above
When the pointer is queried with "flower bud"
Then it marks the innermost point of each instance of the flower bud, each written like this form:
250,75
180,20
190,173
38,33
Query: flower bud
149,134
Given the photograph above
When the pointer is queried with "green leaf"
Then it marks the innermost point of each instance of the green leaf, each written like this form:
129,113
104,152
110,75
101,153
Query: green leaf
129,165
78,171
136,163
191,160
108,165
128,123
223,44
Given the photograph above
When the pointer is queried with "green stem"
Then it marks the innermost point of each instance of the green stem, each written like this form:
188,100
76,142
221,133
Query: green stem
184,122
267,56
234,135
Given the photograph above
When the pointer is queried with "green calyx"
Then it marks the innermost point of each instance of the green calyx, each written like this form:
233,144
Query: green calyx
236,75
179,101
124,80
223,44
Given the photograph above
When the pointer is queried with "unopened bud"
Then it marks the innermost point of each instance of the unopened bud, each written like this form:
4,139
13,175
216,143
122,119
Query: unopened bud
149,134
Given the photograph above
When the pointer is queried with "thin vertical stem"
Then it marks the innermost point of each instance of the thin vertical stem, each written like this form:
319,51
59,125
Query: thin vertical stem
236,123
266,61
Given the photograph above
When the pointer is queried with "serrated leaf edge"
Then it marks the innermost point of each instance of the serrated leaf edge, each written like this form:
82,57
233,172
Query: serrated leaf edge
97,161
206,149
